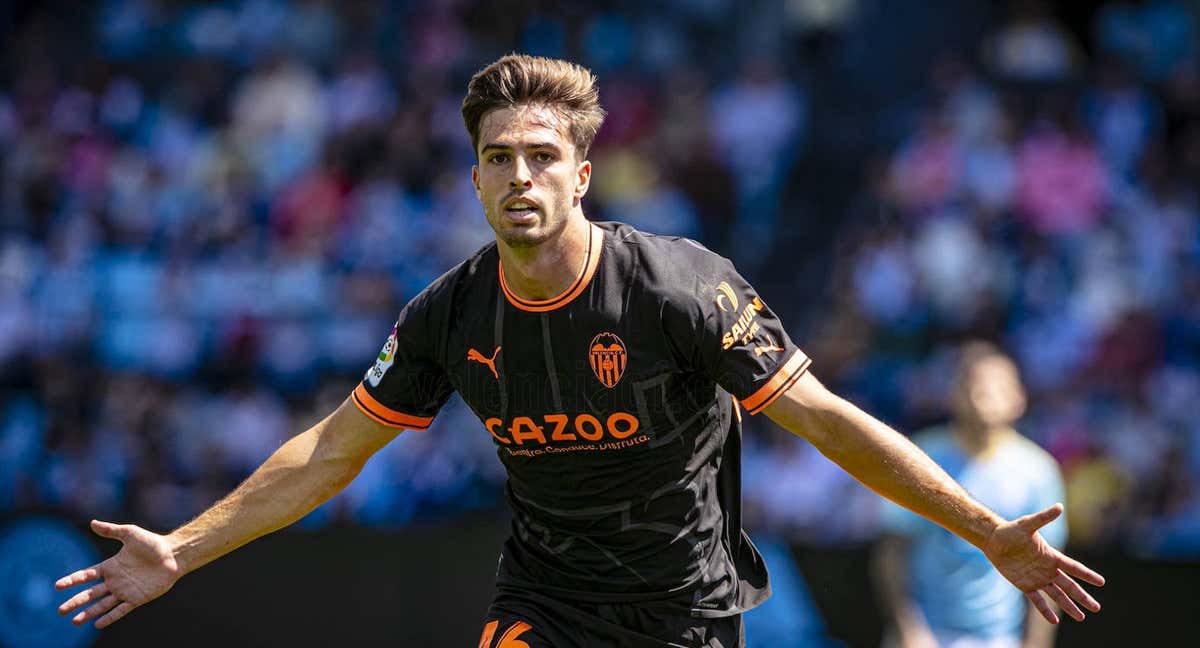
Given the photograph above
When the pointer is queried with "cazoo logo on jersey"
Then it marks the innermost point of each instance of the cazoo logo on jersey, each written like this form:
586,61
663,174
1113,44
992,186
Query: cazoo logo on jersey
555,433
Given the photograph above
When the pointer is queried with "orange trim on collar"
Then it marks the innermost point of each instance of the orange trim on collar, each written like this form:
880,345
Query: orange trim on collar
783,379
590,263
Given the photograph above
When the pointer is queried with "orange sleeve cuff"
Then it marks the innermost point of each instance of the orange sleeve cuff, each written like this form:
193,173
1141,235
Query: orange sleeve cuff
385,415
784,378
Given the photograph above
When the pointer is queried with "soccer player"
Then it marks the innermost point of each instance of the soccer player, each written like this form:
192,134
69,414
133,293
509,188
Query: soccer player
611,368
937,589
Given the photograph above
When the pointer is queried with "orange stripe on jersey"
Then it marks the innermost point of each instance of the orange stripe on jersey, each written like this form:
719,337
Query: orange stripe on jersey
591,262
783,379
385,415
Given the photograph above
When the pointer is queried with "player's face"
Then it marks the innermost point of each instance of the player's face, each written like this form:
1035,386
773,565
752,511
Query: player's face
528,178
991,392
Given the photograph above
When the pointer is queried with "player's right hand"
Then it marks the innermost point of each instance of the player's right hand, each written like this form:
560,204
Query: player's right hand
144,569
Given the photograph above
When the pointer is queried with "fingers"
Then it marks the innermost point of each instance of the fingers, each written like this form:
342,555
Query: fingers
81,599
1072,589
1035,521
1079,570
1064,601
107,603
112,617
1035,597
78,578
110,530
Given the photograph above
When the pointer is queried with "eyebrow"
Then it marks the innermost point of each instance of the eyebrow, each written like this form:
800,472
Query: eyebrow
505,147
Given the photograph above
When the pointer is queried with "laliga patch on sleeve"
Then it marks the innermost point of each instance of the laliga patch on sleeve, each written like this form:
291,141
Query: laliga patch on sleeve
386,357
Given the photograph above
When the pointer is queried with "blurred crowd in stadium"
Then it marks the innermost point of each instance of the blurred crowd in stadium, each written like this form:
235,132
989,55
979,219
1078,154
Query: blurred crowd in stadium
212,213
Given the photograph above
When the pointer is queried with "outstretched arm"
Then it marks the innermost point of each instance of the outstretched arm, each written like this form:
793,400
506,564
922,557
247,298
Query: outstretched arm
304,472
888,463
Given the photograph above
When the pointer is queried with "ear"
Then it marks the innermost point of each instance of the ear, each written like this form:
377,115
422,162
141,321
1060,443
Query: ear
583,179
475,182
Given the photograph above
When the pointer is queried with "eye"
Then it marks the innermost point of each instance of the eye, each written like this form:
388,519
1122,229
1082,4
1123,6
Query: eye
499,158
543,156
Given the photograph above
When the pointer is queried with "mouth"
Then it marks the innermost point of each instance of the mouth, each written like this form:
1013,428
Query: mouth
521,210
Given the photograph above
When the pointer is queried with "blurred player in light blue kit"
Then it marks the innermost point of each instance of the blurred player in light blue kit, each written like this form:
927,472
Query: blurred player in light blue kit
937,589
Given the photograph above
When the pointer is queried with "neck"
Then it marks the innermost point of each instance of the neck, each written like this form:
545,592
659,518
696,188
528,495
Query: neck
978,439
546,270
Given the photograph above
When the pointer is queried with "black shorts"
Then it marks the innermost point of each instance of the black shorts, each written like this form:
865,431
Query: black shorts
520,618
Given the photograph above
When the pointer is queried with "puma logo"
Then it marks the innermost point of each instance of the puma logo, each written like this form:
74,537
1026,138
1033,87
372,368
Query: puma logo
472,354
771,346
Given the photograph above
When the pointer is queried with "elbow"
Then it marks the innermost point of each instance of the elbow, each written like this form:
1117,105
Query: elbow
811,411
824,428
328,483
810,424
333,471
342,472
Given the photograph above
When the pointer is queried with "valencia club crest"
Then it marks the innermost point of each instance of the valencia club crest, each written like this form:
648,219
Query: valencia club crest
608,358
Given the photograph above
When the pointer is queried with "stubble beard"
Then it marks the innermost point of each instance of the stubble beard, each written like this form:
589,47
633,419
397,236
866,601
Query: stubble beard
525,237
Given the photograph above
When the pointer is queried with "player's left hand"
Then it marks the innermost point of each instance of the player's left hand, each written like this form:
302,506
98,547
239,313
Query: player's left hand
1019,553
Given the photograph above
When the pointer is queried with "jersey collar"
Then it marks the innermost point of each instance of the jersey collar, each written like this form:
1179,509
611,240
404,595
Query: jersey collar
590,263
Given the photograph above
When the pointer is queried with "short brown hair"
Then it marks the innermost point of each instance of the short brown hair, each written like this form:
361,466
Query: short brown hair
519,79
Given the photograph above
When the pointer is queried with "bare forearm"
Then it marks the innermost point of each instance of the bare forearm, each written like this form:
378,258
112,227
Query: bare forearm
297,478
884,460
892,466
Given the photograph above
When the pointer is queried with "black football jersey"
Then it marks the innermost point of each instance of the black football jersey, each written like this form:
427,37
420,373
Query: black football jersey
614,408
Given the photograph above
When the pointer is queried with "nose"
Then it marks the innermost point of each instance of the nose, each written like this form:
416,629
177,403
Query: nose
521,178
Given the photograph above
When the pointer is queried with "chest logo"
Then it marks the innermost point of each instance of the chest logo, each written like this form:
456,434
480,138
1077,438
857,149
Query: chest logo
608,358
490,363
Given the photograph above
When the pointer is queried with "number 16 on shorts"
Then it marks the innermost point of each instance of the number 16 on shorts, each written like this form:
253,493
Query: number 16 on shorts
510,637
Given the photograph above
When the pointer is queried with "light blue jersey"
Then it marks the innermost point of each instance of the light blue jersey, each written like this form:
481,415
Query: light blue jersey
950,580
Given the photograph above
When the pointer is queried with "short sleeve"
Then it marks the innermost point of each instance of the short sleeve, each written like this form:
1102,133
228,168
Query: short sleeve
407,385
739,341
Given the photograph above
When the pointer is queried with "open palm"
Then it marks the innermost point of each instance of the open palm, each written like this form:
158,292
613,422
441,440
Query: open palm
1020,554
141,571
